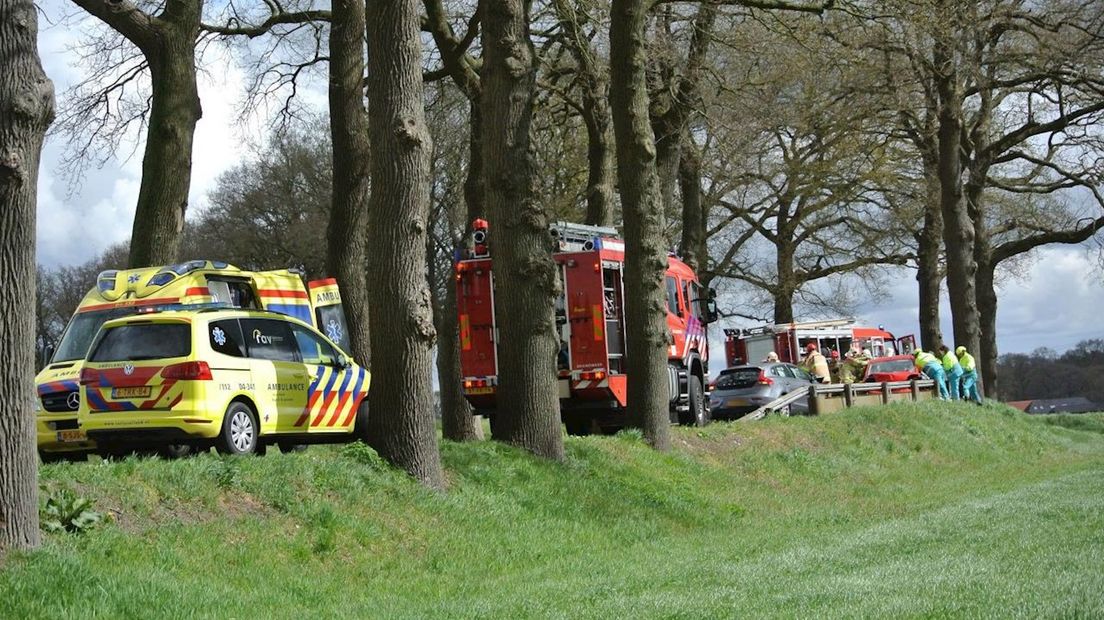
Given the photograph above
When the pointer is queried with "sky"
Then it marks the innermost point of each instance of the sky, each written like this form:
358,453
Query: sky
1053,301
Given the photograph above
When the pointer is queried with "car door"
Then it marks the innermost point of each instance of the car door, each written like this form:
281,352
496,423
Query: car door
336,387
280,377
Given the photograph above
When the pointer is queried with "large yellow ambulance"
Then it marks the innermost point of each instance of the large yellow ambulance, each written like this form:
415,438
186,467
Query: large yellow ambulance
191,284
235,379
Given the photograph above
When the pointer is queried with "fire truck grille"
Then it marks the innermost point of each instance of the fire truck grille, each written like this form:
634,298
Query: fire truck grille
60,402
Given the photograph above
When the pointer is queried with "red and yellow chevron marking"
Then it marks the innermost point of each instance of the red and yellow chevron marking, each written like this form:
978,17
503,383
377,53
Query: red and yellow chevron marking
330,401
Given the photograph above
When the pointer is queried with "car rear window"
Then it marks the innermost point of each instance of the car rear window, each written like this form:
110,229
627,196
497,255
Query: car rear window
738,378
891,366
144,341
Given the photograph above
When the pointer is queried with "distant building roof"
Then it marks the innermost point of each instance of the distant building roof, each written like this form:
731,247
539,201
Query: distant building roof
1076,404
1022,405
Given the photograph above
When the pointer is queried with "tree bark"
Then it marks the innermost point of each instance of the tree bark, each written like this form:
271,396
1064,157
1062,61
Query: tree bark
347,232
787,286
929,276
671,121
167,43
984,283
26,111
401,424
474,183
594,90
694,217
167,163
641,203
526,285
958,231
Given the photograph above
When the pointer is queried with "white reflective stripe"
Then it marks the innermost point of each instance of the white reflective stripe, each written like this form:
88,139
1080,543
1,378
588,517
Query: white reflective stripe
582,385
604,383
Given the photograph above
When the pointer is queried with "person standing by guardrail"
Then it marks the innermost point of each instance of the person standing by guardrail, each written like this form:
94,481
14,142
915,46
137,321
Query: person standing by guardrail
815,364
953,371
933,369
969,375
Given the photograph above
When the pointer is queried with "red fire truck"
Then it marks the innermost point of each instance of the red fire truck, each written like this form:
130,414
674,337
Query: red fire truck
788,340
590,319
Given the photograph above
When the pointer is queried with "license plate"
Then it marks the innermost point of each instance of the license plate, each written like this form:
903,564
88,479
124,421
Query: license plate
131,392
70,436
475,391
736,402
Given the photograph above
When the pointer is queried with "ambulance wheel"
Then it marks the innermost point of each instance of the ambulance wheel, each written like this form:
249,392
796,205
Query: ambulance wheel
62,457
698,411
177,451
239,430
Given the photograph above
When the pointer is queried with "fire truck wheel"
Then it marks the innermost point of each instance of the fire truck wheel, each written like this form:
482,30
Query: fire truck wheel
239,430
577,427
698,413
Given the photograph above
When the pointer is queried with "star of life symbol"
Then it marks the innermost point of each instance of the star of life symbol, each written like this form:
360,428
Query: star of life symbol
333,331
128,370
134,277
73,401
219,336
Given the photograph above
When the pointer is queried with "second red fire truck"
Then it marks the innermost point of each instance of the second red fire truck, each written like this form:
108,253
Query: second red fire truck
590,318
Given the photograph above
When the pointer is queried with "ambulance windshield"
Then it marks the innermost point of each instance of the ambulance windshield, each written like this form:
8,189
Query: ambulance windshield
81,330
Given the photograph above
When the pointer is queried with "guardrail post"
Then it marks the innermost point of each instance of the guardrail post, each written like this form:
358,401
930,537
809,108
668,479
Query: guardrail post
848,395
915,387
814,403
885,393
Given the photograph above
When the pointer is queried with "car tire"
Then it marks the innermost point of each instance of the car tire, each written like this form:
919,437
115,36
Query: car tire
288,447
577,427
698,412
177,451
239,430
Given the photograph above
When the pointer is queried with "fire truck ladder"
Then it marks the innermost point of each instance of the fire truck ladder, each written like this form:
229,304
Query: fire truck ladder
578,237
613,299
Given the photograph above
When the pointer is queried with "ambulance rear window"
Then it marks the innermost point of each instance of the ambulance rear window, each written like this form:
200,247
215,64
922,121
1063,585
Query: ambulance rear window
144,341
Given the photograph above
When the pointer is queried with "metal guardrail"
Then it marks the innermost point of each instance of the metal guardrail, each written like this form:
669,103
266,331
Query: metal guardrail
824,398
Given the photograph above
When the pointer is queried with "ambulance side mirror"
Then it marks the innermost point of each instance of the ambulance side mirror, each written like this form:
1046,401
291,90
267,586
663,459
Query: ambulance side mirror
343,362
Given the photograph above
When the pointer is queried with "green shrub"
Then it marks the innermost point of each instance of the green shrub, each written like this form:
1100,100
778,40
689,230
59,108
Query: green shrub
63,511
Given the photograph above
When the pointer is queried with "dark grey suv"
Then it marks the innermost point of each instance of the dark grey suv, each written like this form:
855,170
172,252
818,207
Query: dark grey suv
744,389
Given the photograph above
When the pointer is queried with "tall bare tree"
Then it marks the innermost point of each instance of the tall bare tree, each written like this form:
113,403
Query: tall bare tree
167,41
26,111
347,233
525,275
645,245
592,77
401,421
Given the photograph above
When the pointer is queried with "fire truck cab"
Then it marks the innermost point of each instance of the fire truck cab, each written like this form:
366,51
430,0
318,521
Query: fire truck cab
788,340
590,319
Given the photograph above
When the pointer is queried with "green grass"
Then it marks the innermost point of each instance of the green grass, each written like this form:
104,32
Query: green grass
905,510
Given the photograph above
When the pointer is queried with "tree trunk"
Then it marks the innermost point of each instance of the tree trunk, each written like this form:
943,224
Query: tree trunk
26,110
928,274
401,422
668,147
958,231
987,308
984,283
167,163
474,184
526,285
348,228
643,209
694,218
599,193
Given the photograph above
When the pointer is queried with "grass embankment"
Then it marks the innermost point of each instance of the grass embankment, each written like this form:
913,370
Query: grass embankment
903,510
